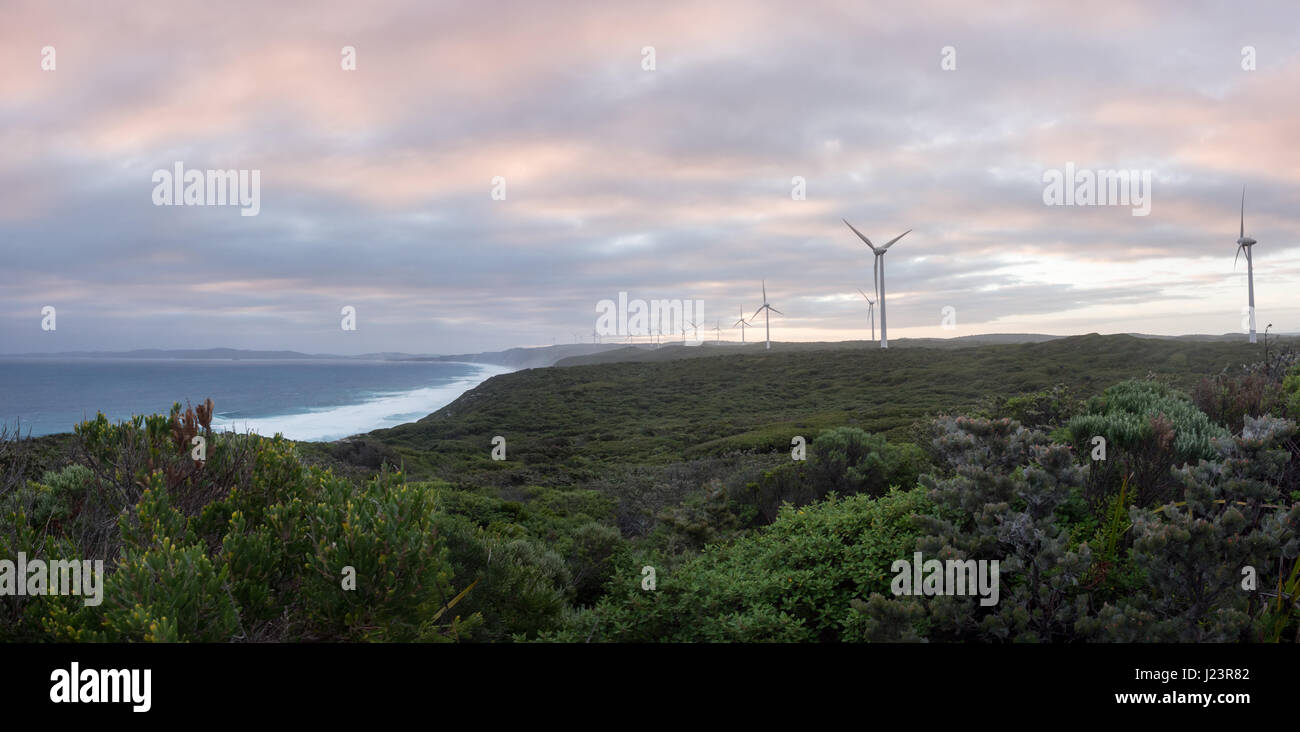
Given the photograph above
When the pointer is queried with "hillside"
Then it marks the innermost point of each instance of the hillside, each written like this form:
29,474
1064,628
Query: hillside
684,466
576,424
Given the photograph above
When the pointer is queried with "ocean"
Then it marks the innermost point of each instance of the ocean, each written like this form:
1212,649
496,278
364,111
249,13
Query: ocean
324,399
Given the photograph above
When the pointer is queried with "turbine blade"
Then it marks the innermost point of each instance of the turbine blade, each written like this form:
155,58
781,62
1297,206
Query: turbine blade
1243,213
891,241
1234,259
778,312
860,235
756,312
864,295
764,292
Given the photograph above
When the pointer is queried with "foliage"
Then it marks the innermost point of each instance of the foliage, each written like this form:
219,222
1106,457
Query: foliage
1044,410
846,461
1149,429
681,466
791,581
266,557
1006,487
1193,553
1230,397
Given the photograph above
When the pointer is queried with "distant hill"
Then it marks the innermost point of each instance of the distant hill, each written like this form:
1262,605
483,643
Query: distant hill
212,353
650,354
578,354
527,358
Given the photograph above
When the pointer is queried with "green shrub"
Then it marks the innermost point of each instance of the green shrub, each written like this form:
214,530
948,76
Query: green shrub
1149,429
1043,410
1124,412
1002,500
844,460
1193,553
791,581
1291,391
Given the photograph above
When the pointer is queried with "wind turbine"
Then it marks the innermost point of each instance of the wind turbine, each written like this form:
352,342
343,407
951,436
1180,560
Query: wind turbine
742,323
878,276
871,312
1245,243
767,317
717,327
695,328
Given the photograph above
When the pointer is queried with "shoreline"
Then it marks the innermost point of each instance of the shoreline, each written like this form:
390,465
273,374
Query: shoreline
384,410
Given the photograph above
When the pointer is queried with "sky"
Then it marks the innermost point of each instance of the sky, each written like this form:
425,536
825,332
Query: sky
472,176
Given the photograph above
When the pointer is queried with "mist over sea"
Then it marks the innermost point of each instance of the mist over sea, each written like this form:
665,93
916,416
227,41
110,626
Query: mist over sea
318,399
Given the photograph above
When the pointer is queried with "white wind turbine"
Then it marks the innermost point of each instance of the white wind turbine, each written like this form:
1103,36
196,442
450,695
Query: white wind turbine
878,276
742,323
695,328
767,317
1245,243
717,328
871,312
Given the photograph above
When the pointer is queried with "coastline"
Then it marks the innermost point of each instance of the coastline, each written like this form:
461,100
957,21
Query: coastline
383,408
390,410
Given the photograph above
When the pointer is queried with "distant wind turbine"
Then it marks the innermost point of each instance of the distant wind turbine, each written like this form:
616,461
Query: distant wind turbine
767,317
742,323
1245,243
871,312
695,328
717,328
878,276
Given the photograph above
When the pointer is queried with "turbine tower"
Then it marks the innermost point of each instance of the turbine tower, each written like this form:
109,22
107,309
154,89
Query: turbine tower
767,317
871,312
1244,243
878,276
742,323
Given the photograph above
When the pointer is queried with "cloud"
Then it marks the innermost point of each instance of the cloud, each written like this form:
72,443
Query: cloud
668,183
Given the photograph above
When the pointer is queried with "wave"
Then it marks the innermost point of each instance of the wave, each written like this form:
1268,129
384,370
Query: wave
382,410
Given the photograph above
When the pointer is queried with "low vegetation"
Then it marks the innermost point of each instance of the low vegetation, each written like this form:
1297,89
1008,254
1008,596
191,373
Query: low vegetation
661,502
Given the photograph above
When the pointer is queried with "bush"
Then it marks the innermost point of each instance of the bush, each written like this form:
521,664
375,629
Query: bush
1043,410
1149,429
1193,553
1003,501
1229,398
1291,391
846,461
246,545
791,581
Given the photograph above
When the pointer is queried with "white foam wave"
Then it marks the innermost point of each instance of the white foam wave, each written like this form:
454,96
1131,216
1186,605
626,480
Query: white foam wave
384,410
